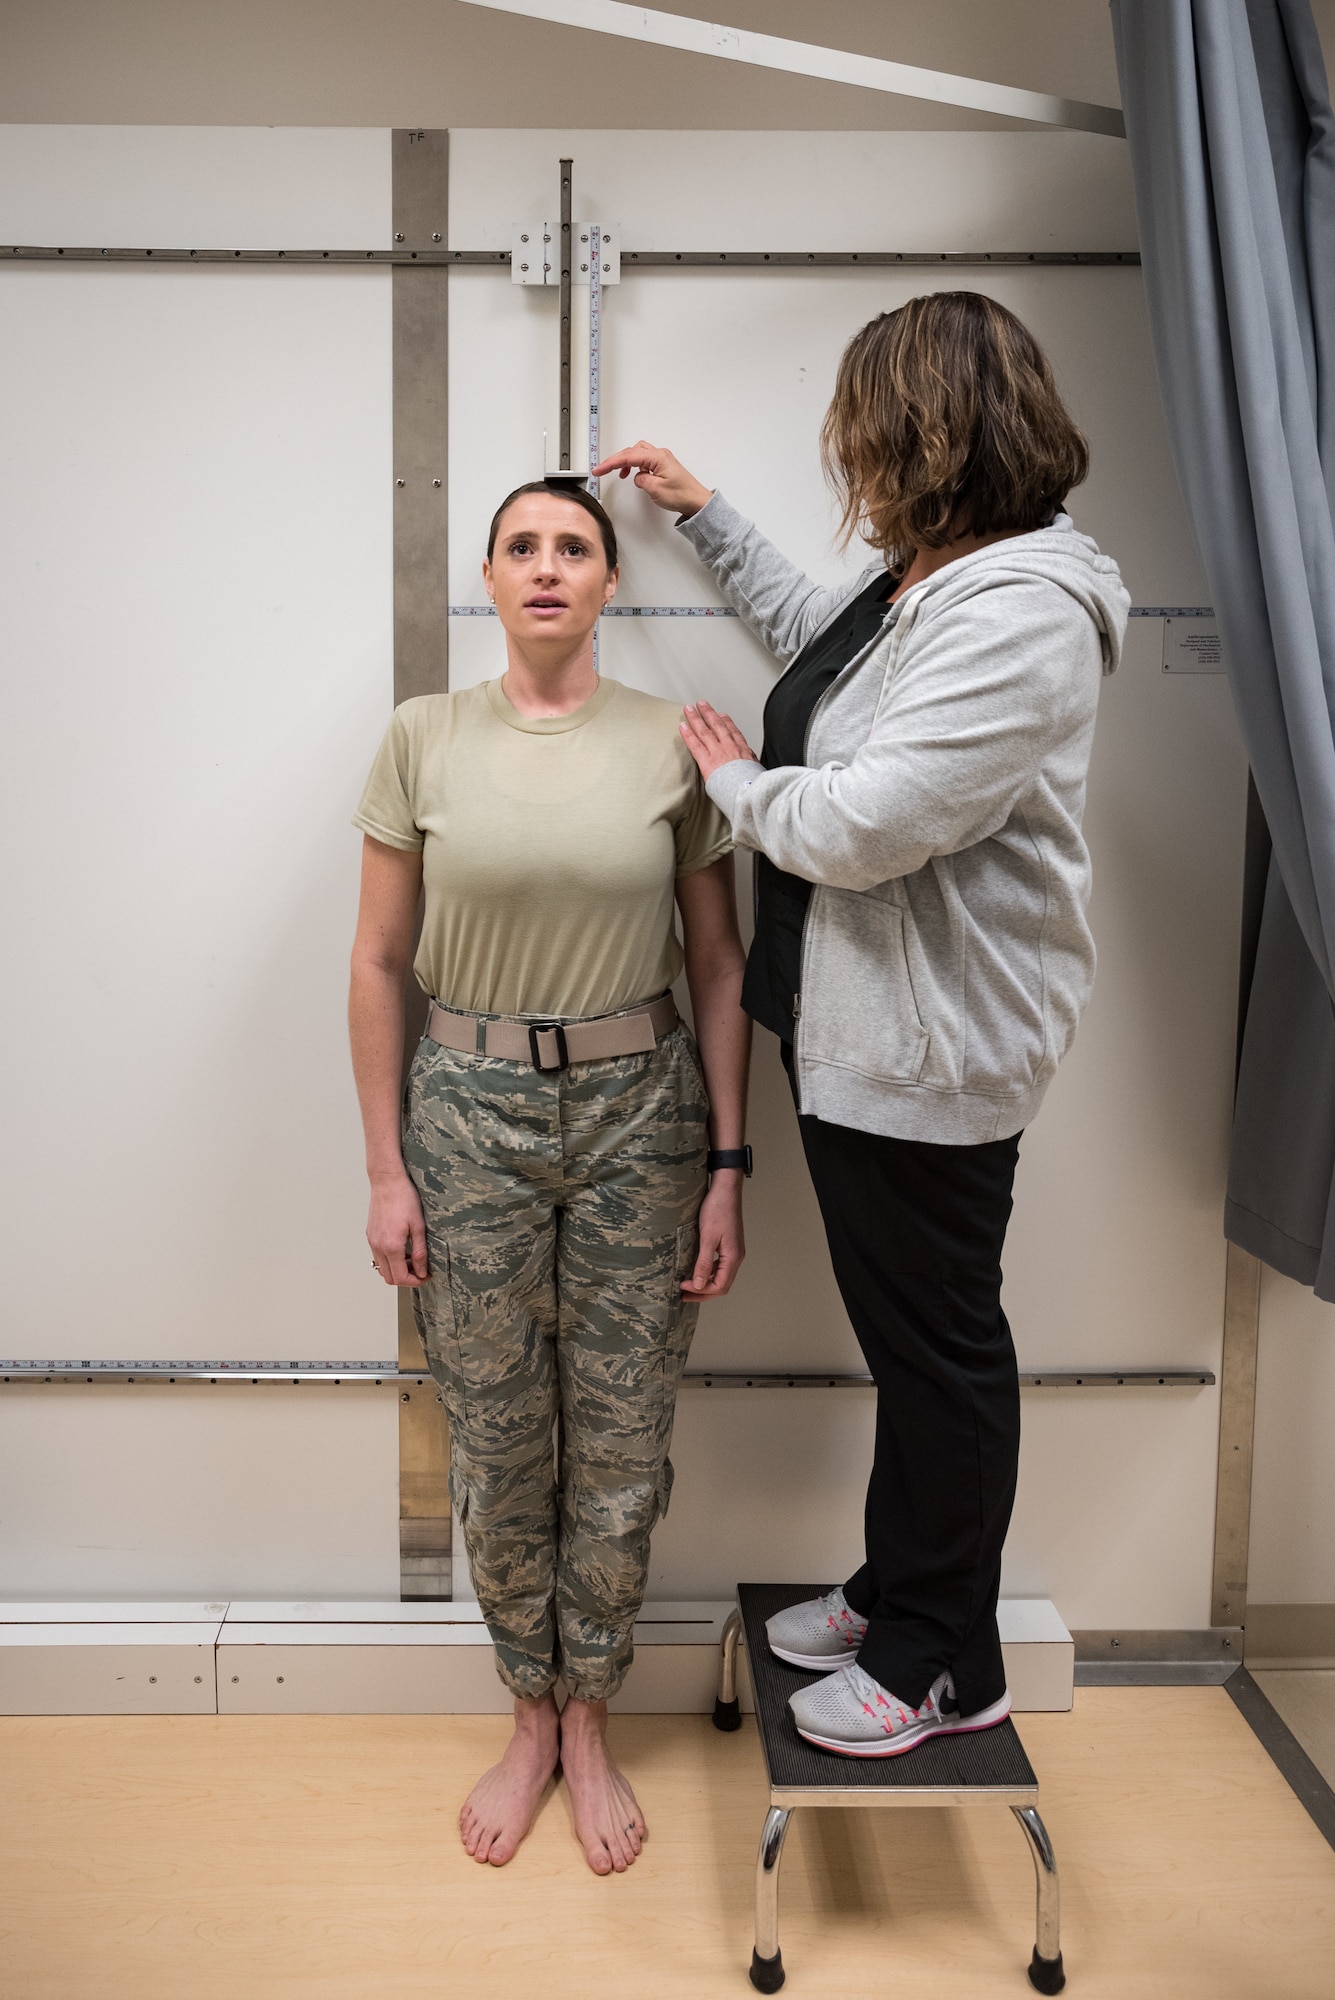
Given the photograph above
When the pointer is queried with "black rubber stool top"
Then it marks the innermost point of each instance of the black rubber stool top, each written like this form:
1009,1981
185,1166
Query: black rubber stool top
990,1760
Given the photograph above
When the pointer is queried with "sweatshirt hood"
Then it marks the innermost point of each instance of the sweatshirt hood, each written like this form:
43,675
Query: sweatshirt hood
1060,554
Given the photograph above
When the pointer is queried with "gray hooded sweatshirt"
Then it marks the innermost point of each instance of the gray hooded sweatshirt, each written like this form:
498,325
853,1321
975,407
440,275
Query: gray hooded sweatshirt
946,955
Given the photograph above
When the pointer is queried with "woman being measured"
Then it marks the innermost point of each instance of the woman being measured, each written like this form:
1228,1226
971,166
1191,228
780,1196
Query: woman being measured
549,1193
921,947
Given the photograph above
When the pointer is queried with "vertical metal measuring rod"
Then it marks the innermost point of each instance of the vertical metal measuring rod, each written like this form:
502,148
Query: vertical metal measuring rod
567,175
595,348
595,368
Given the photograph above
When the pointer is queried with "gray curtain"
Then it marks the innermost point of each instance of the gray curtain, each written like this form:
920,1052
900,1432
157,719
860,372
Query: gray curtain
1233,152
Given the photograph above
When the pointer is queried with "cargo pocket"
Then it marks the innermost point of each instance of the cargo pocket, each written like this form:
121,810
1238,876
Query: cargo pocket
858,941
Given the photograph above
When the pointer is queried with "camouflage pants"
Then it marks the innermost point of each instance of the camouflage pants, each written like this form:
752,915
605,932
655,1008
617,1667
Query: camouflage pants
561,1218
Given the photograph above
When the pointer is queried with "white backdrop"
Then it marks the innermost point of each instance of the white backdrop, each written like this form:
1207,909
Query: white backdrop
194,516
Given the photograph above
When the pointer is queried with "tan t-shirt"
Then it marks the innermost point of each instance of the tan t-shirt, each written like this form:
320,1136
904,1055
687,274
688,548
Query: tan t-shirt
549,846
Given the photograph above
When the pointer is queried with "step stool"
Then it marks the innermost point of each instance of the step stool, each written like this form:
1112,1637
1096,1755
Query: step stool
980,1769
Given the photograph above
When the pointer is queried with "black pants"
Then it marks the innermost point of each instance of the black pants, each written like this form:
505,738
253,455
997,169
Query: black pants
915,1234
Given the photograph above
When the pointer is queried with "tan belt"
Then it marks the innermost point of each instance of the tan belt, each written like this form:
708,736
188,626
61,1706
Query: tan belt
554,1045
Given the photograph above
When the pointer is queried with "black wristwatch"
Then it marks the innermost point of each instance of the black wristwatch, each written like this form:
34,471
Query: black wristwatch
731,1156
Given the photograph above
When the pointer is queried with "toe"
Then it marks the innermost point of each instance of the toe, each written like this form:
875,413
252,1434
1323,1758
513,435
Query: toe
502,1850
598,1858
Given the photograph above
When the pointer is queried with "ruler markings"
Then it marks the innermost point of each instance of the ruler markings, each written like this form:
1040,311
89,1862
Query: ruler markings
726,610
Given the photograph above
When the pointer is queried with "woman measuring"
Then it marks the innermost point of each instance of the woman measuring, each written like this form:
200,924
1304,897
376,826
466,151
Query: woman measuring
550,1196
921,945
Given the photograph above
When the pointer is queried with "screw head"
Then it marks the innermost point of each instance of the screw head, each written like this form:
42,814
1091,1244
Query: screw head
607,267
280,1680
435,482
235,1679
435,236
400,482
583,267
152,1680
524,237
523,267
398,236
584,238
198,1679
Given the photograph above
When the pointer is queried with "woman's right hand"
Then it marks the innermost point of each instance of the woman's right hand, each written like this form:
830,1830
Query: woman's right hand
396,1232
660,475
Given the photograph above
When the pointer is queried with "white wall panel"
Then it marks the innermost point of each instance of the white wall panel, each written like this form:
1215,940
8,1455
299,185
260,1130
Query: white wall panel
198,1492
1116,1254
203,187
196,613
195,595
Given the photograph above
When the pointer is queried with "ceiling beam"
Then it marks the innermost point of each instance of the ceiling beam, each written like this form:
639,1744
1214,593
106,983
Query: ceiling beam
707,38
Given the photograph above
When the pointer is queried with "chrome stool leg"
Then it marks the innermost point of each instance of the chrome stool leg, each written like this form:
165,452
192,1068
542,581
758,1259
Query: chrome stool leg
767,1974
727,1707
1045,1967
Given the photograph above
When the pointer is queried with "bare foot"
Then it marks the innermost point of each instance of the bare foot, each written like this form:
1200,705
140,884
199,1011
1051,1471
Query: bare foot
499,1810
608,1821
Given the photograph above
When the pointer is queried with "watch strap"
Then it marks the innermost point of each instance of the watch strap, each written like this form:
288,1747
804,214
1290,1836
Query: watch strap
729,1156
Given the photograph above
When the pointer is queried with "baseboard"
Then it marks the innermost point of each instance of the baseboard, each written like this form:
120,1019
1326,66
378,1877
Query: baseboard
1199,1657
399,1658
1291,1635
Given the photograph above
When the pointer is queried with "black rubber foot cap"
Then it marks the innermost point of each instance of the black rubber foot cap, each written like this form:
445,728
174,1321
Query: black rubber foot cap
767,1974
1046,1973
728,1715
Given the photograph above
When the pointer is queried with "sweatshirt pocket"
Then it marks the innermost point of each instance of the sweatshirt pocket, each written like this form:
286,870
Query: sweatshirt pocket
858,1005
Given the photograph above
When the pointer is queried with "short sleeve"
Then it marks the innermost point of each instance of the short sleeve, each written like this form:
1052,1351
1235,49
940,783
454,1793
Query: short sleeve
703,835
386,809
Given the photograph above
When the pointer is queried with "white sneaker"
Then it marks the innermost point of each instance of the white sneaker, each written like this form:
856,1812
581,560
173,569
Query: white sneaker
819,1634
855,1715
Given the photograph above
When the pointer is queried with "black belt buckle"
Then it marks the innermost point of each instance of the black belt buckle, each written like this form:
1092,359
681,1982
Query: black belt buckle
537,1028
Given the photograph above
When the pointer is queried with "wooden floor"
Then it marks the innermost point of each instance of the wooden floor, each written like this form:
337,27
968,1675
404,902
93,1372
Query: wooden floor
239,1858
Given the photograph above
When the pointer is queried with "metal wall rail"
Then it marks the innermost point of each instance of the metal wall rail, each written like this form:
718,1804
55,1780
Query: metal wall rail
641,260
386,1375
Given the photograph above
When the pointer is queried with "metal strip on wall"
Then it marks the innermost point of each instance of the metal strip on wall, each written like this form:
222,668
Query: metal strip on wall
420,164
435,254
1237,1413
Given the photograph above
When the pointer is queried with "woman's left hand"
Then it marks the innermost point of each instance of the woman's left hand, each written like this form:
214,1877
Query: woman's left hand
722,1245
713,739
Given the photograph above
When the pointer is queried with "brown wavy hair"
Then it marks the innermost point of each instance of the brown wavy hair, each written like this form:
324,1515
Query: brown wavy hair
946,421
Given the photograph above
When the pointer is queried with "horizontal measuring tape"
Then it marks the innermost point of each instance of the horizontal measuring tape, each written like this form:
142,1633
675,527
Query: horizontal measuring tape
726,611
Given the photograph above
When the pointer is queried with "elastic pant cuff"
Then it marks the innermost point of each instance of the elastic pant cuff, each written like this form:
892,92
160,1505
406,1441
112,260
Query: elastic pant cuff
601,1689
529,1686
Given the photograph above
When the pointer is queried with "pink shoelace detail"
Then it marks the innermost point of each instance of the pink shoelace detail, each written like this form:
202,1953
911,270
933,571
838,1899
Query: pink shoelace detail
842,1620
874,1701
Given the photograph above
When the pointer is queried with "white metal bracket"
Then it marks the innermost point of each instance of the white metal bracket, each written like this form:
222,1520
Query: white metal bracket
535,254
